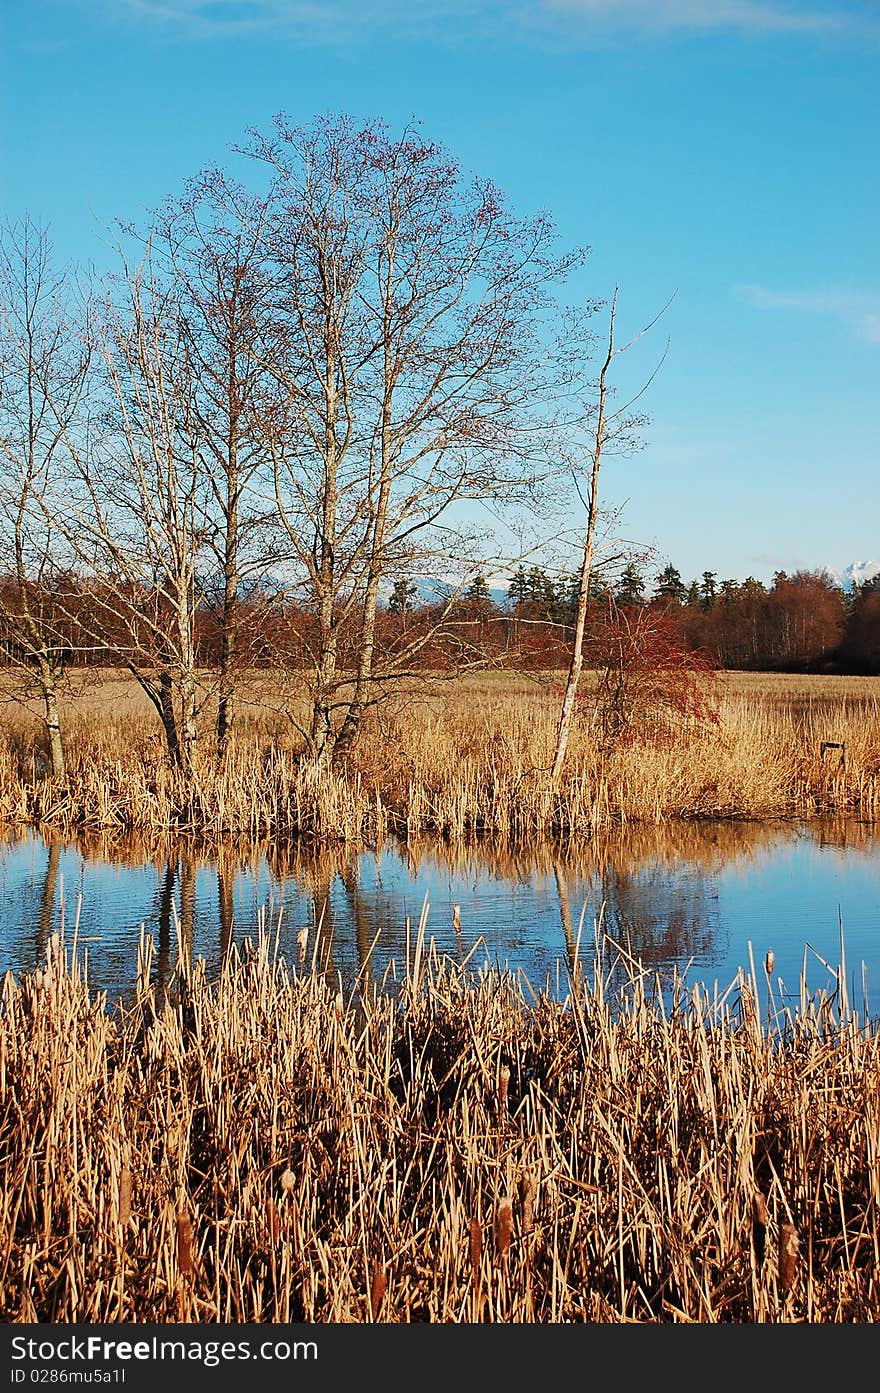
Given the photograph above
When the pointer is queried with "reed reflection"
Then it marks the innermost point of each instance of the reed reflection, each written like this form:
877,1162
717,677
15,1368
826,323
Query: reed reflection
654,889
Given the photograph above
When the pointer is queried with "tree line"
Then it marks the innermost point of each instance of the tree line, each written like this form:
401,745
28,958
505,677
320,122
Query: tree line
799,622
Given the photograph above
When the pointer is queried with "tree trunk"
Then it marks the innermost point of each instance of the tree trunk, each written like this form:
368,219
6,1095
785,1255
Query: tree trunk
229,631
566,713
51,718
351,724
165,706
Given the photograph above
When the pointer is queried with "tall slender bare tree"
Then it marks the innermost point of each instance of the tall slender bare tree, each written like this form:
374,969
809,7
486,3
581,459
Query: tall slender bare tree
617,428
136,510
212,242
45,354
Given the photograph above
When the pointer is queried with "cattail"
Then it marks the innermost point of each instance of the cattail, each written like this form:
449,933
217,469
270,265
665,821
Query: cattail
378,1287
503,1227
272,1218
456,918
124,1195
503,1081
184,1242
288,1180
527,1202
789,1247
302,942
769,961
759,1225
476,1251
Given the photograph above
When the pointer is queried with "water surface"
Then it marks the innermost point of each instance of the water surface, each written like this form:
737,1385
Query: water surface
690,897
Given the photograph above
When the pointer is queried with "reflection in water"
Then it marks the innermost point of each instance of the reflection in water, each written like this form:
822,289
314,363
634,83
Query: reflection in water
226,900
686,896
46,922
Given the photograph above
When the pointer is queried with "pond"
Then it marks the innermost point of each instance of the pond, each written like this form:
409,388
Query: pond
703,899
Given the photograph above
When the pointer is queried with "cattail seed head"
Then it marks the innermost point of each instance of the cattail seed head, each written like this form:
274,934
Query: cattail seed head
456,918
527,1202
769,962
378,1288
503,1227
789,1248
124,1196
503,1081
759,1227
302,942
272,1221
288,1180
184,1242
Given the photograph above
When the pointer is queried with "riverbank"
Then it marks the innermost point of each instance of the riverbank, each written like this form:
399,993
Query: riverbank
456,760
263,1148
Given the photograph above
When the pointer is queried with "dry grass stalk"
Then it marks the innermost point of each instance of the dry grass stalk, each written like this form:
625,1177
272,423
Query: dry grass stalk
456,764
526,1203
476,1252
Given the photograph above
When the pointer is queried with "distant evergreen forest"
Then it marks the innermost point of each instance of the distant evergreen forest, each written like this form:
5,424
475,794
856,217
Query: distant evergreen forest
801,622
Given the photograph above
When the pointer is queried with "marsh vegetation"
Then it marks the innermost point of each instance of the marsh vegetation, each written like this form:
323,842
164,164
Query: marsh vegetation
458,759
264,1148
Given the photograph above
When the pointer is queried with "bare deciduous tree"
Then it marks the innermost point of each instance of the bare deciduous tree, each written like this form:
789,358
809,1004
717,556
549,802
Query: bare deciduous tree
610,427
426,359
136,513
212,242
44,364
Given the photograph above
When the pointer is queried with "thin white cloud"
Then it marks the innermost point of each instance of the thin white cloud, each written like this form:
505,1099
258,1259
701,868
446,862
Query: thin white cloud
755,16
341,20
336,21
860,312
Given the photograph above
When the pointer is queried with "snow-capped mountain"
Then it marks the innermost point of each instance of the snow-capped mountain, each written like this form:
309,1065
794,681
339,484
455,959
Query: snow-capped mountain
855,573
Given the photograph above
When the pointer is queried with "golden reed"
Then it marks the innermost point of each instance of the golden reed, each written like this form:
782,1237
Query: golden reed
687,1148
475,760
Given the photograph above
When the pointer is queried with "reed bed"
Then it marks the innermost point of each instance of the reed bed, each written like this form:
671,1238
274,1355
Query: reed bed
469,760
446,1146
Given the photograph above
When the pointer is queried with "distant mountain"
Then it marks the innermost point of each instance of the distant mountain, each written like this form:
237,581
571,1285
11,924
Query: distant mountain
433,591
855,573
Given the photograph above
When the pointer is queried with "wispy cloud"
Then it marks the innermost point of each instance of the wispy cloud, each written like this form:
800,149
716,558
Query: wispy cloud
335,21
342,20
754,16
860,312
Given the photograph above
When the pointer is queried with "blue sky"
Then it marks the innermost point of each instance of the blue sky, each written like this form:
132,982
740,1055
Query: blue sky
724,152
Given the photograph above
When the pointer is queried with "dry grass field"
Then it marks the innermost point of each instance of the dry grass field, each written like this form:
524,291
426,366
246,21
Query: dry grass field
436,1150
460,759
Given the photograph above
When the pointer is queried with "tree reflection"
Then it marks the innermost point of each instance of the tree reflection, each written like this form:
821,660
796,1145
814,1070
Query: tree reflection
46,919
